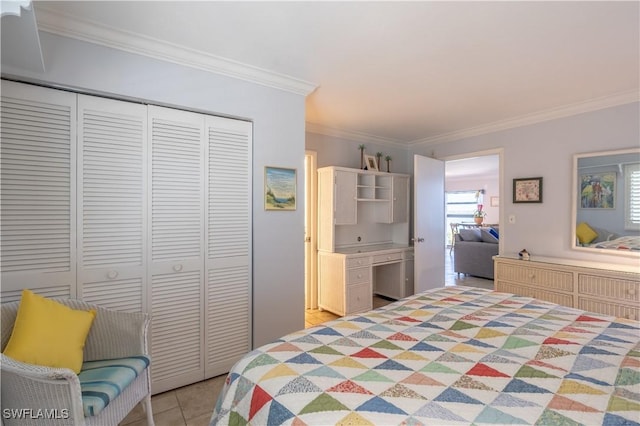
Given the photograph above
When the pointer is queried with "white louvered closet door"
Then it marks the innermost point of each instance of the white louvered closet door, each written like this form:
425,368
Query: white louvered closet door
176,247
112,144
37,191
229,234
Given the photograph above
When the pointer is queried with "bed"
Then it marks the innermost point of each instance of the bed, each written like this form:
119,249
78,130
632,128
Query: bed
630,243
595,237
454,355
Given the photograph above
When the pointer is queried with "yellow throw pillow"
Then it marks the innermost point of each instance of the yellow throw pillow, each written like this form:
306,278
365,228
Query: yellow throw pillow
585,233
49,333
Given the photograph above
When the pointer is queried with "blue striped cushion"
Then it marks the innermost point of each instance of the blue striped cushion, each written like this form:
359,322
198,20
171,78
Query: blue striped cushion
102,381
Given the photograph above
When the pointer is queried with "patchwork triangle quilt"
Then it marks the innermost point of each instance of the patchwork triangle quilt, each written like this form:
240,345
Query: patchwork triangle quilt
450,356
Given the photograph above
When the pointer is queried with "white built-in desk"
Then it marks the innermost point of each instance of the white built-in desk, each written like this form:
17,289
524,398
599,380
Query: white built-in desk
363,230
349,277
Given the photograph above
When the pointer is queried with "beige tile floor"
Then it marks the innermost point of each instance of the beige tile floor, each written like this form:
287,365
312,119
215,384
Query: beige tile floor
193,405
187,406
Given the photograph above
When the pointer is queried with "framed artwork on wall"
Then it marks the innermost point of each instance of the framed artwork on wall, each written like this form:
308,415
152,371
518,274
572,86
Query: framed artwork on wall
527,190
597,190
279,188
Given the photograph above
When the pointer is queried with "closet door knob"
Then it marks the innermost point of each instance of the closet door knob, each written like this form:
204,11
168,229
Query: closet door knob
112,275
177,268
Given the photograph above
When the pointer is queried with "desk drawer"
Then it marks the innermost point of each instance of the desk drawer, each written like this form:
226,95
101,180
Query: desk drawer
358,275
389,257
359,298
354,262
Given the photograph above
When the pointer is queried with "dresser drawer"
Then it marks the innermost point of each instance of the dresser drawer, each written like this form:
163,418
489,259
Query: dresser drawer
609,287
538,277
609,308
389,257
359,298
536,293
354,262
358,275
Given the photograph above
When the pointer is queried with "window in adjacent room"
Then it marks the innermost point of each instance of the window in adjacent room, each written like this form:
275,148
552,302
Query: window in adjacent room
460,206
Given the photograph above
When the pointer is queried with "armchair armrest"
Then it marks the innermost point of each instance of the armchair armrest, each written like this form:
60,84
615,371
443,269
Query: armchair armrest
27,388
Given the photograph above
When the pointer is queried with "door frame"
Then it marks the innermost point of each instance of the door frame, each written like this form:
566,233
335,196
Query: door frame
311,226
500,153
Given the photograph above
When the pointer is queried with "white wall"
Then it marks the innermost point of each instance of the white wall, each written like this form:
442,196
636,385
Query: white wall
546,149
279,123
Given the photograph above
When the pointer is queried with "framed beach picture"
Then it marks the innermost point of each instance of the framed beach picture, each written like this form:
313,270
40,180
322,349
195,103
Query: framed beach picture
597,190
279,188
527,190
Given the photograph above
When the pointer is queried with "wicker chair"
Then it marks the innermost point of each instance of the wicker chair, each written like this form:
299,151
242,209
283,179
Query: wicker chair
29,387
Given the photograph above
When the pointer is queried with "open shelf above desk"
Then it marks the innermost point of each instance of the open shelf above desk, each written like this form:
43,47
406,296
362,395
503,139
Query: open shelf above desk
361,207
373,186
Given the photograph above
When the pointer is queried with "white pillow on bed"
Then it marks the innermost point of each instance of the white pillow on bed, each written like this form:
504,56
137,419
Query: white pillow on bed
604,235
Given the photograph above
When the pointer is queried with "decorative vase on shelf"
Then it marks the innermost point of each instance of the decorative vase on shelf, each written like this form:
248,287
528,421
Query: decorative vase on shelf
478,220
388,158
361,148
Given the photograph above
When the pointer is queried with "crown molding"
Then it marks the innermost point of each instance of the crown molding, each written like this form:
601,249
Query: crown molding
351,135
523,120
537,117
65,25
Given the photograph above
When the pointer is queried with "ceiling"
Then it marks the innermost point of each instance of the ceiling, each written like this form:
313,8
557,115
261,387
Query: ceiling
486,166
402,72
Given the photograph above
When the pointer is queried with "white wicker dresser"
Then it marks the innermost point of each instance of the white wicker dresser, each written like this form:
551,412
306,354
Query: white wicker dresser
611,291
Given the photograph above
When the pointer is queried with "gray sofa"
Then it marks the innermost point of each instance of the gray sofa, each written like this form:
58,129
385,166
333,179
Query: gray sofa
473,252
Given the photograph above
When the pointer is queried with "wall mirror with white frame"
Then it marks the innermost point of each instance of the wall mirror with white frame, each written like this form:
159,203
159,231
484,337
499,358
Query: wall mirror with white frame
606,202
